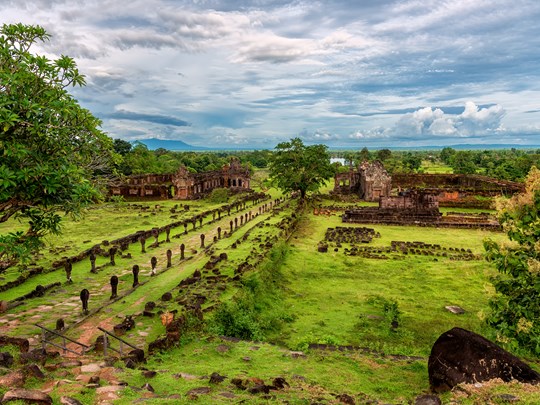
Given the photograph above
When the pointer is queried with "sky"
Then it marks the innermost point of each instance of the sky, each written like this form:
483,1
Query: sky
251,74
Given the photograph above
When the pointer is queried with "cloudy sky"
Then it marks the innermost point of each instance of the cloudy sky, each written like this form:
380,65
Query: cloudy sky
346,73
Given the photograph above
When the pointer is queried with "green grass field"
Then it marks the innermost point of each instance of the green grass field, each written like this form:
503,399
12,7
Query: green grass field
322,298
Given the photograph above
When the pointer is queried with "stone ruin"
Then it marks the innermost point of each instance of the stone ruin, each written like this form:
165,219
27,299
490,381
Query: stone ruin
418,208
183,184
369,181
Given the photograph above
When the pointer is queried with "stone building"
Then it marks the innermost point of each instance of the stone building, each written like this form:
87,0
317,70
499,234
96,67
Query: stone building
370,181
193,185
184,185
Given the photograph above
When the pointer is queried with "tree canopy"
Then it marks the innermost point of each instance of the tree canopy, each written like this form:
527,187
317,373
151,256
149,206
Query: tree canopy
296,167
516,308
50,146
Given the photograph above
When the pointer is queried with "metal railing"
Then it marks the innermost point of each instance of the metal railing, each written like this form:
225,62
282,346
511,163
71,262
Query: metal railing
106,346
46,340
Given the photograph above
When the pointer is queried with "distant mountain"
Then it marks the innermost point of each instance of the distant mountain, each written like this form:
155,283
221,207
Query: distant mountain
154,143
439,147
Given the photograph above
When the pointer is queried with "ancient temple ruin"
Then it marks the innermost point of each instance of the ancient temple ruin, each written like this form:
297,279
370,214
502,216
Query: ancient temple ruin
185,185
369,181
417,207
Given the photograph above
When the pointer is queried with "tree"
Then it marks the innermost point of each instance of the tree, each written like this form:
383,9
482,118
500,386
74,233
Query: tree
515,311
121,147
296,167
462,162
384,154
363,155
50,146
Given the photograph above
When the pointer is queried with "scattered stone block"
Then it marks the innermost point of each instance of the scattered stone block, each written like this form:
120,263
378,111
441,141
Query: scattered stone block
28,396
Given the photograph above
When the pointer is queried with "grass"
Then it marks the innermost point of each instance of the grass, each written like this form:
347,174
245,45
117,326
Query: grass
327,298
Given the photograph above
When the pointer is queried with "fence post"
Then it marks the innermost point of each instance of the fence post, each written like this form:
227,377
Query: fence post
43,339
64,344
104,344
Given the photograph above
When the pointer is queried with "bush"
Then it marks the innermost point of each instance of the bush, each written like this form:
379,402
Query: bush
219,196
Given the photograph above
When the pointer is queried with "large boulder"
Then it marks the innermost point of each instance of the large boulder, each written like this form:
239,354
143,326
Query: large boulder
460,356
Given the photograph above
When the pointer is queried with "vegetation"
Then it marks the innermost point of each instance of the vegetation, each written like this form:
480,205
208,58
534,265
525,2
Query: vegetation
296,167
50,147
516,309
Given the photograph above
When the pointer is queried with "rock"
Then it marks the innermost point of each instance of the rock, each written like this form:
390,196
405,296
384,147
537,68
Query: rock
32,370
185,376
137,355
29,396
166,297
94,380
460,356
6,360
22,344
223,348
280,383
148,387
427,399
15,379
259,388
149,374
70,364
345,399
195,392
455,309
69,401
296,355
507,398
215,378
91,368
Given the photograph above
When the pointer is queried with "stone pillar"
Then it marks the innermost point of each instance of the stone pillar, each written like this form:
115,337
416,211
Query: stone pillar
182,249
92,258
68,267
235,223
169,257
112,253
142,239
219,232
231,224
202,240
85,295
200,221
114,287
135,272
153,263
185,228
168,234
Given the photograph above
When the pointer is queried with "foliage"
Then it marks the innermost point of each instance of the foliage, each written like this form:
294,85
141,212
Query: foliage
50,146
256,310
219,196
516,308
296,167
389,307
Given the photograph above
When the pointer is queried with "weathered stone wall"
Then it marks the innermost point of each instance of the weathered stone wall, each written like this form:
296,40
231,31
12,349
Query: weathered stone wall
370,181
183,184
461,183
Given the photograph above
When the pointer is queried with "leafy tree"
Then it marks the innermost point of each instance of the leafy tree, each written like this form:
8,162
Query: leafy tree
363,155
446,154
384,154
516,308
50,146
463,162
121,147
412,161
296,167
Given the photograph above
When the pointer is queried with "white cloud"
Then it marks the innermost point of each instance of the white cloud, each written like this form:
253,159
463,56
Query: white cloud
473,121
